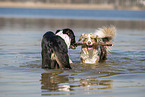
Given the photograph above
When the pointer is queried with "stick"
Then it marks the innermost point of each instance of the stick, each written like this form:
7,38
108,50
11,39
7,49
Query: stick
96,44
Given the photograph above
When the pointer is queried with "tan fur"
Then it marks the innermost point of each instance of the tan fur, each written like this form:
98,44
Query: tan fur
109,31
96,37
85,52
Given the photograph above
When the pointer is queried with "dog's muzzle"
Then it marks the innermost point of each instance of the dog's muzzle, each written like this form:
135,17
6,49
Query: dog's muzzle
89,45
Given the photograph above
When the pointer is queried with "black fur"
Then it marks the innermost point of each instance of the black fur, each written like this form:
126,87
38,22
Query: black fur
54,50
103,51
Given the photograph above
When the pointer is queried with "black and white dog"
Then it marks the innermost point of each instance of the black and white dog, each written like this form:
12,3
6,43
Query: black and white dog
55,48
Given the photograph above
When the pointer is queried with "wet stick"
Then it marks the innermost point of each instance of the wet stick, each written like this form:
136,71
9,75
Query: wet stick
96,44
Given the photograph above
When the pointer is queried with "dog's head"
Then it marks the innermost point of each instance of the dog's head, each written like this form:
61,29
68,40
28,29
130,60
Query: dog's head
70,33
89,40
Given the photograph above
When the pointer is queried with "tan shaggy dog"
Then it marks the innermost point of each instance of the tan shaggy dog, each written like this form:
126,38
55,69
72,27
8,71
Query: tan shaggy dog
91,53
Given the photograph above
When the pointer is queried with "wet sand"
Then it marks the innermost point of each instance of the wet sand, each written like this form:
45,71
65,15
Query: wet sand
63,6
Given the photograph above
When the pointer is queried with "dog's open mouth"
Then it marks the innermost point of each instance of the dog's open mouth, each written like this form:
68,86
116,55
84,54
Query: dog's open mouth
90,47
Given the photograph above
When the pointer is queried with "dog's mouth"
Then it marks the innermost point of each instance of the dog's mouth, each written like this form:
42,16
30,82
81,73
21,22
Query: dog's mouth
90,47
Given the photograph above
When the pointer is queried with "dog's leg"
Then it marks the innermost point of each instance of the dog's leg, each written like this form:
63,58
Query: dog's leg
46,61
82,60
103,55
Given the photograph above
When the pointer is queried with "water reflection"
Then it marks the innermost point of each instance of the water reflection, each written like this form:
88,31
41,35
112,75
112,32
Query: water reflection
66,83
53,24
51,81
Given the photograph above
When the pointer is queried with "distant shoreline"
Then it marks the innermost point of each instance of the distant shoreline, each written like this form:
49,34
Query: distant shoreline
62,6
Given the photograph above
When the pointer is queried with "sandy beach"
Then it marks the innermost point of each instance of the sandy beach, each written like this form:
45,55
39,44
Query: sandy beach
62,6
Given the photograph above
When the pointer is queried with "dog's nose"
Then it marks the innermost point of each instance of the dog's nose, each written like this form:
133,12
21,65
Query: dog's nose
89,42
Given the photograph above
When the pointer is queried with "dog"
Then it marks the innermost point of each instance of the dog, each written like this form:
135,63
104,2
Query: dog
55,48
91,53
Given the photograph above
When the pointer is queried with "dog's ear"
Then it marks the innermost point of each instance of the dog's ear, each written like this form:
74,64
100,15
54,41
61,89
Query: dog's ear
97,38
82,36
94,36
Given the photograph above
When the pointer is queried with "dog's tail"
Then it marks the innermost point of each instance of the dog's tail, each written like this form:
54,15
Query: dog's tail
106,33
62,59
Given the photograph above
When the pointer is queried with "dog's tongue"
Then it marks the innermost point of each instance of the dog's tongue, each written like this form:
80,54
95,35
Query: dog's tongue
89,48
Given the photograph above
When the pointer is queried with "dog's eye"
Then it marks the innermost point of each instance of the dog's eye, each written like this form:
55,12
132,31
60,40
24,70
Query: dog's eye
92,38
85,39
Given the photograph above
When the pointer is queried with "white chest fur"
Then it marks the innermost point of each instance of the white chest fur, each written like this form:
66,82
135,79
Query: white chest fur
65,37
91,56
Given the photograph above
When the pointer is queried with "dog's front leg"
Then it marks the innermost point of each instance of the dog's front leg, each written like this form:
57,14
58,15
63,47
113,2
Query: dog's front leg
84,54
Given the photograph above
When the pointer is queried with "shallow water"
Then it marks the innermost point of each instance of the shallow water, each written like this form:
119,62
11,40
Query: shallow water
122,74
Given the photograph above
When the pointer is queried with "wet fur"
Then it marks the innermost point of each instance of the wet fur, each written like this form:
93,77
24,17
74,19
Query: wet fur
96,53
54,49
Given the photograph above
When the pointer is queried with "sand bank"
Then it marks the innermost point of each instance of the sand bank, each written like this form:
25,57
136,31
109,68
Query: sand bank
61,6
